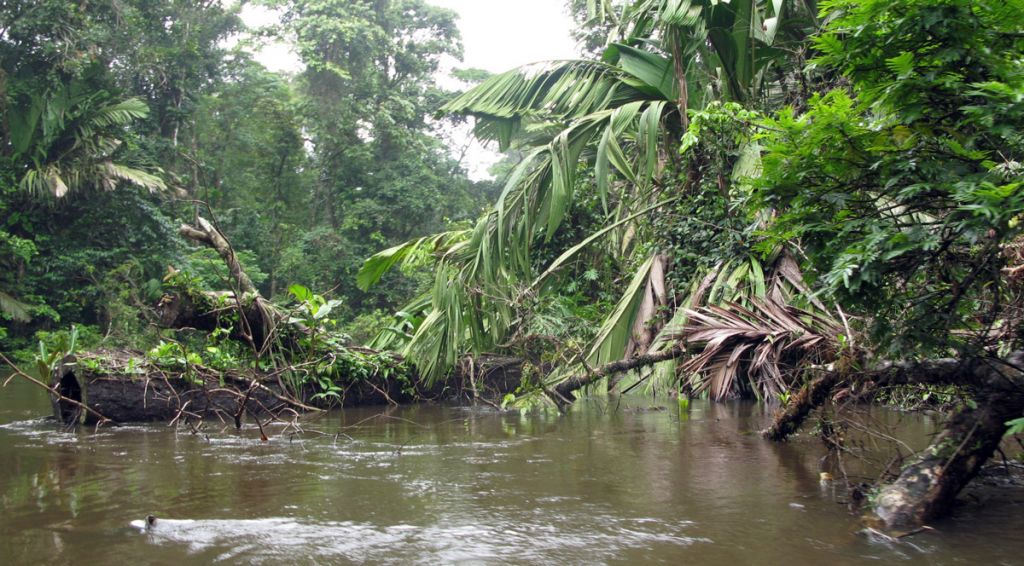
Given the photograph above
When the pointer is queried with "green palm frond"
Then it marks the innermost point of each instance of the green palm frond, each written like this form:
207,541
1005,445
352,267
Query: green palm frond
407,253
614,334
119,113
67,140
14,309
109,174
618,117
554,91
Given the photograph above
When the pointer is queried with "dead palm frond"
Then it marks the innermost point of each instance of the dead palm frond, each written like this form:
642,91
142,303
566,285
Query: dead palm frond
767,343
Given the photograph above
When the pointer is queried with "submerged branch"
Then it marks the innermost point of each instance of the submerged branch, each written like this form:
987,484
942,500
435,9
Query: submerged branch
811,395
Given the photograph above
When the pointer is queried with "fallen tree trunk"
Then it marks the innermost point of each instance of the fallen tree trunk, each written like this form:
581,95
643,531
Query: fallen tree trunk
565,391
810,396
204,232
203,310
123,387
927,488
942,371
150,395
125,391
211,310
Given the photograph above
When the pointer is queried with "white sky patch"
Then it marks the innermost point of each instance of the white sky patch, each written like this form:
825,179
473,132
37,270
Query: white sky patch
497,35
276,56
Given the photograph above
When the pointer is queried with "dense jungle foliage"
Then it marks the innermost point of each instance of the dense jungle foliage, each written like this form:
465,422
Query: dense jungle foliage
123,119
773,185
768,185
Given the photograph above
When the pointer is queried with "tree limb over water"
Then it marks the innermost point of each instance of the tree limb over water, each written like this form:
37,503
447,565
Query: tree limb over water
927,487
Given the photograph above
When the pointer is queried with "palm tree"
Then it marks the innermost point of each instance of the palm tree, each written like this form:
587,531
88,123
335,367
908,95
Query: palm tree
65,139
62,141
621,119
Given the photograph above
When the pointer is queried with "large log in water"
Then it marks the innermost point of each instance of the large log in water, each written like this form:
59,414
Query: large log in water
111,385
120,387
927,488
125,392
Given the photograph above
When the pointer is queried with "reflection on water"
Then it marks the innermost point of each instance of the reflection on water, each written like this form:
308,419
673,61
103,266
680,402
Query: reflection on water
608,483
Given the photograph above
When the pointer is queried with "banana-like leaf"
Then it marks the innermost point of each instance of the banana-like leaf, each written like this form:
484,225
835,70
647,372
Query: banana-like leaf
655,73
23,122
653,297
565,154
648,138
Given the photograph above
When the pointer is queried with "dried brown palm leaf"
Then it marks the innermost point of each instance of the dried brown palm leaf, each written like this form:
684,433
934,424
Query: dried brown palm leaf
767,342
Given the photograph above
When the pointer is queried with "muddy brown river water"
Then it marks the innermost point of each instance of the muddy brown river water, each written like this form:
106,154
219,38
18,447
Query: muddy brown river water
613,482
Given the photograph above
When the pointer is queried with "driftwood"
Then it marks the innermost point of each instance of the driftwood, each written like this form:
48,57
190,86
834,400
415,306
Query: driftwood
204,232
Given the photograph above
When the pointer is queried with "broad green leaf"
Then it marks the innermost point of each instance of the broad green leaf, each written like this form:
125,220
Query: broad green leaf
612,337
653,70
300,292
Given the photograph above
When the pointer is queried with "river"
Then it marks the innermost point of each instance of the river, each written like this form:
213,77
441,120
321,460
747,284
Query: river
613,482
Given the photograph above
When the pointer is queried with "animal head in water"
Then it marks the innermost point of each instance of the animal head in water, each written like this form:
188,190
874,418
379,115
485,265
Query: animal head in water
145,524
